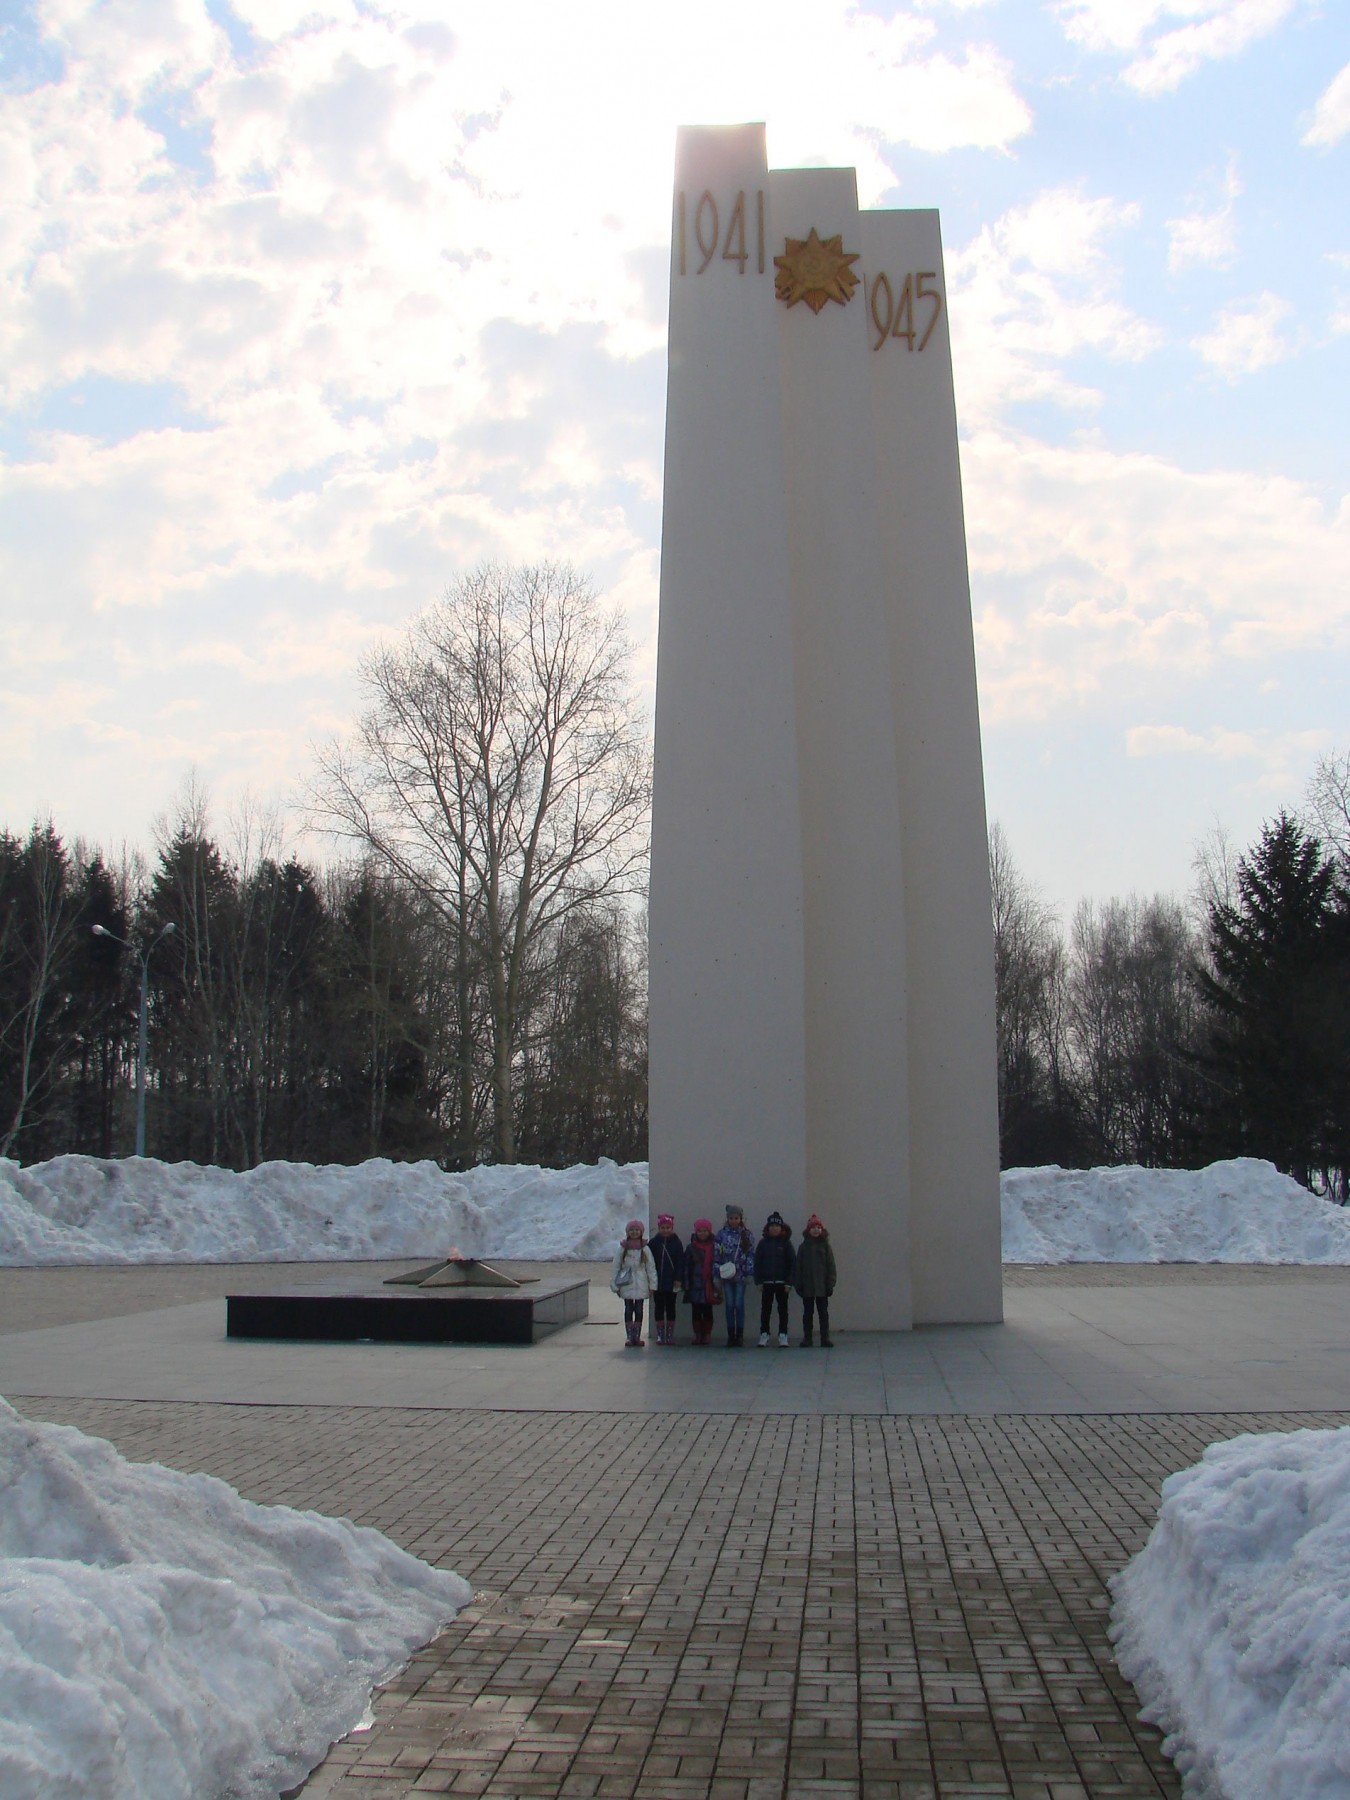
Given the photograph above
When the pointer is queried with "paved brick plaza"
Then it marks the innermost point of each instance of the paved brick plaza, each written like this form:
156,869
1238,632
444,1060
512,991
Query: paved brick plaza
763,1608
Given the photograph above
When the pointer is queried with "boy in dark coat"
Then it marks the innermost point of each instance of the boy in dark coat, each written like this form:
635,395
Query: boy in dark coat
815,1280
775,1266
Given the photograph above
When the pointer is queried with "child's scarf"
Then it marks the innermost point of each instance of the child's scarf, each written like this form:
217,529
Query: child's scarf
706,1252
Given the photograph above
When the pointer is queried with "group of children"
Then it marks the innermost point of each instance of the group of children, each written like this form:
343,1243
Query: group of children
716,1268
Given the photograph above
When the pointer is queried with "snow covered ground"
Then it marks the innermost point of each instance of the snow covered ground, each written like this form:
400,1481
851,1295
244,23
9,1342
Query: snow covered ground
1241,1212
79,1209
1233,1622
160,1636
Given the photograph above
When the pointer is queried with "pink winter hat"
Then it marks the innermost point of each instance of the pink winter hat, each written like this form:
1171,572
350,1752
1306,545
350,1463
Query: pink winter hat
665,1219
702,1224
636,1225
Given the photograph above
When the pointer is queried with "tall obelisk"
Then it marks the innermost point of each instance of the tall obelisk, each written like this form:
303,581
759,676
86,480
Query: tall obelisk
821,954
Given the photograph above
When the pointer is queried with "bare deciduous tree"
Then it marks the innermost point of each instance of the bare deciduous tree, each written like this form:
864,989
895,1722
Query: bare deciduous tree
1029,1008
500,769
1328,802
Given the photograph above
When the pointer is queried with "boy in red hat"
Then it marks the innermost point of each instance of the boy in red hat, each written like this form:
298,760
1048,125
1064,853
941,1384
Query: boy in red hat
814,1280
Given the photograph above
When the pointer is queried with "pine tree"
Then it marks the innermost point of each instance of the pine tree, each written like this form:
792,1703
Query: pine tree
1279,998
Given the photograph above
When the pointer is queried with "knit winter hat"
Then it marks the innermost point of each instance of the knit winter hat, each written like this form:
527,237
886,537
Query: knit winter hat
702,1224
735,1210
635,1225
815,1219
665,1219
775,1218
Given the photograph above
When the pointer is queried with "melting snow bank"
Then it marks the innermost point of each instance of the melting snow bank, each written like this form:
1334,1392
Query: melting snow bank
161,1636
1242,1211
81,1209
85,1209
1233,1622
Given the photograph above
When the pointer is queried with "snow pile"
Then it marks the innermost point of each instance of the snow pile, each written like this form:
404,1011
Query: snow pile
1233,1622
161,1636
84,1209
1242,1212
81,1209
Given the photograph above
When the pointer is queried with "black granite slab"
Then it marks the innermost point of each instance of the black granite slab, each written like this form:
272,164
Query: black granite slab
335,1312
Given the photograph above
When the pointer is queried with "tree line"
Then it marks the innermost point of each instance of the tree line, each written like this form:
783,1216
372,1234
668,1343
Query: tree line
294,1013
469,983
468,986
1171,1034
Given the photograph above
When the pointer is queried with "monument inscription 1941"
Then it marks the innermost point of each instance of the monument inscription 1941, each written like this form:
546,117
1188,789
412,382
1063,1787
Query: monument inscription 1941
822,1005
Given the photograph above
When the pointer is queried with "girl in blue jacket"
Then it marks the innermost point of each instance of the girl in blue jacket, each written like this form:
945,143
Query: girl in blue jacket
736,1253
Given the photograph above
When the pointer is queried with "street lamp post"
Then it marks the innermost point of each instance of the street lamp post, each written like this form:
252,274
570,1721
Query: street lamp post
103,932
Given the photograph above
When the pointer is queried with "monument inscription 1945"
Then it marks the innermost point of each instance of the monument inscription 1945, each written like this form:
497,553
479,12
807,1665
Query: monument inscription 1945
822,1008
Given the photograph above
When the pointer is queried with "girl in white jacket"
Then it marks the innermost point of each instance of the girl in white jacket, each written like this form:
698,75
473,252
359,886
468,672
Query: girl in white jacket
633,1278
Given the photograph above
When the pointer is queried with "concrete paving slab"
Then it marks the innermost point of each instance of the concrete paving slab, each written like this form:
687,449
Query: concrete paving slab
1266,1341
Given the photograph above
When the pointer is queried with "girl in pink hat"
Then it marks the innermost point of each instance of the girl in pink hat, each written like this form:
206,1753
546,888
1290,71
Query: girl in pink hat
702,1287
633,1278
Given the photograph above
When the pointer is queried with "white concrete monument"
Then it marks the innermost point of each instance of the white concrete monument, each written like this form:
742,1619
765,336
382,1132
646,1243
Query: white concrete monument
822,1006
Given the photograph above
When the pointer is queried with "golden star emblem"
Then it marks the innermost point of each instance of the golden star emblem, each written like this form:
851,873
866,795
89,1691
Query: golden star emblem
815,269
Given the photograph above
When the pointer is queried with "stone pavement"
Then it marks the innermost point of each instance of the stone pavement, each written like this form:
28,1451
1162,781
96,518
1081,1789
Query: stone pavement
682,1599
1081,1340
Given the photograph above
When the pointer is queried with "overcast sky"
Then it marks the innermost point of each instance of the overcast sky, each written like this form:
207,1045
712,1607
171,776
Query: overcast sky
308,308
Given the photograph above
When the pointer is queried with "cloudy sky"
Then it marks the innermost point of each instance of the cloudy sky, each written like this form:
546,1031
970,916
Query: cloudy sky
309,307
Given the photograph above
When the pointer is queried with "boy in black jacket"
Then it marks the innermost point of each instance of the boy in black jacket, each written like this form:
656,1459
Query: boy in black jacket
775,1265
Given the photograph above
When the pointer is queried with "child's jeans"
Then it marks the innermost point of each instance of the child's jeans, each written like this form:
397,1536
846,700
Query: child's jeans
663,1305
822,1306
733,1292
773,1291
632,1313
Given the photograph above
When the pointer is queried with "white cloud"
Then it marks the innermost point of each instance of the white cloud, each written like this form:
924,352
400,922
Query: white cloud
410,284
1246,337
1164,53
1205,239
1034,289
1097,575
1162,740
1217,741
1277,761
1331,115
944,105
415,295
